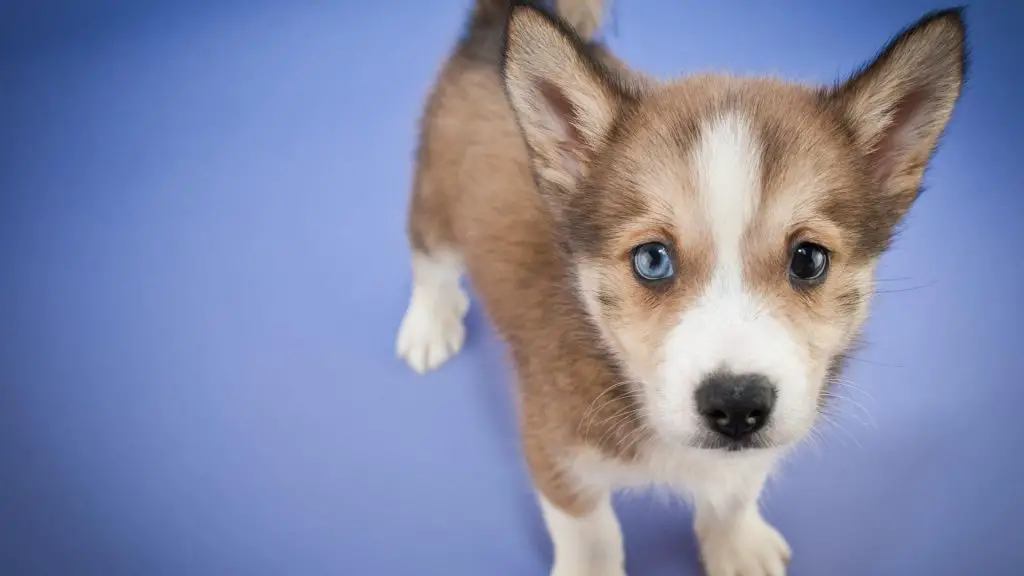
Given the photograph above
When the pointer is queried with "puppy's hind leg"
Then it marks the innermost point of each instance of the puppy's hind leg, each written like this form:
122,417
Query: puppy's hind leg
432,330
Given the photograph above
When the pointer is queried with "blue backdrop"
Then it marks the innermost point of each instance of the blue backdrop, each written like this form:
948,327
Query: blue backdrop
202,270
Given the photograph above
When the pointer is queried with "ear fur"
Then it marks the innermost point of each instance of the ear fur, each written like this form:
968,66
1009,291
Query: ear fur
898,106
564,100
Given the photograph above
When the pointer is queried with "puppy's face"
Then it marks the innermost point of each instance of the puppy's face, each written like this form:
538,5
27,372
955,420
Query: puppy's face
720,242
725,231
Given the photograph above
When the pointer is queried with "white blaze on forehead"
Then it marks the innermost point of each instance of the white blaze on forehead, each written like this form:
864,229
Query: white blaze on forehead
728,169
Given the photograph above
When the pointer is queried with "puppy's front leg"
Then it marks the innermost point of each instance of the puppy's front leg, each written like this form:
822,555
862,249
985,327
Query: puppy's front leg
587,542
735,539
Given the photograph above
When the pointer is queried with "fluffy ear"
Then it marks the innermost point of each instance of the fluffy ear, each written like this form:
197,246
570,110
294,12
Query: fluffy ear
564,100
898,106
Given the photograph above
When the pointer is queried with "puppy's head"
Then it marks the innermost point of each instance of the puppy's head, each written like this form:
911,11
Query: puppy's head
724,231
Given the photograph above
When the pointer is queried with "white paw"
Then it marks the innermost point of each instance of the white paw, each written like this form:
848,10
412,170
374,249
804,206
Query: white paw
751,548
578,568
432,330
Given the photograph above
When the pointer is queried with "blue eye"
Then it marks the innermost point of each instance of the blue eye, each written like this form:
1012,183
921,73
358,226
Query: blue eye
652,262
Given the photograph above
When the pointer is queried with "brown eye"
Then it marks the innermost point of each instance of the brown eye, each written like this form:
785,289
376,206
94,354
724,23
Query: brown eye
809,264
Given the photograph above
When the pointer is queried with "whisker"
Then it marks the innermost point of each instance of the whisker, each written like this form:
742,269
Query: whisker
601,395
622,412
627,418
593,408
873,362
868,419
837,389
894,279
636,435
853,386
830,420
906,289
814,441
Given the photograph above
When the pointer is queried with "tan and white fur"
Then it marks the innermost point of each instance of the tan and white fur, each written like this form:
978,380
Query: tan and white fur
546,166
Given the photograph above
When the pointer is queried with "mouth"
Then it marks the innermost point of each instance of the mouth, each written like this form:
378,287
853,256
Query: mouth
723,444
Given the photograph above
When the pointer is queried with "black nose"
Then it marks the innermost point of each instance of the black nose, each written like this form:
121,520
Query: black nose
736,405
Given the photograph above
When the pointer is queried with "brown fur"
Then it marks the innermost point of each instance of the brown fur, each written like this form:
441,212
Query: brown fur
525,218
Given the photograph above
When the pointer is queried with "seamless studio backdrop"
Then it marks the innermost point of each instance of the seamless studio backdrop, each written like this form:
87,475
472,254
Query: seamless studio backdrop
203,268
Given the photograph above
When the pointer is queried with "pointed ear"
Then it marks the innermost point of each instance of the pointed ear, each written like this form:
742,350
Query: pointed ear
564,100
898,106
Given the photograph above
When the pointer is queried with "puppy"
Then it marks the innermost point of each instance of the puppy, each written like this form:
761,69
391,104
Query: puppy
677,267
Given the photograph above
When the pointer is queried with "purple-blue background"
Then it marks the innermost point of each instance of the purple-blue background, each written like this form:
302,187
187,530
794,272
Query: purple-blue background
202,269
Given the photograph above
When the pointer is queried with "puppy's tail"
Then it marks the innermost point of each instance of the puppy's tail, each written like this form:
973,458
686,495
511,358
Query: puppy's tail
585,16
